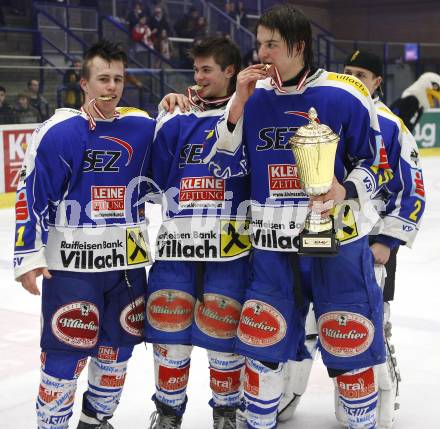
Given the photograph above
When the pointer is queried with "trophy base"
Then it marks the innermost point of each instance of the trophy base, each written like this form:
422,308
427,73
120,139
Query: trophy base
318,244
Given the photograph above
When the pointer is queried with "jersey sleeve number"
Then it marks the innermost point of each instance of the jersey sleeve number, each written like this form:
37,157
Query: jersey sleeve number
417,208
20,233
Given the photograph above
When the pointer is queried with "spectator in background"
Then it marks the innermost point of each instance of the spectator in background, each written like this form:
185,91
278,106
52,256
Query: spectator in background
73,96
163,5
136,13
224,24
23,111
201,28
186,26
230,9
158,22
36,100
163,44
141,32
241,14
6,112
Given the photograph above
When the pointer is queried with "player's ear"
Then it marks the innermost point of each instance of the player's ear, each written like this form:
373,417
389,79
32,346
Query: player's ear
230,70
378,81
300,47
83,84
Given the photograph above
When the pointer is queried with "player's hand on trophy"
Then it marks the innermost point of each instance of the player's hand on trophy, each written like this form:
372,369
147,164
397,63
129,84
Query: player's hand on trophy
171,100
29,280
324,203
381,253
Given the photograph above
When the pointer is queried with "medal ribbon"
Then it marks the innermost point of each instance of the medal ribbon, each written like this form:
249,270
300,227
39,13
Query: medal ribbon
92,121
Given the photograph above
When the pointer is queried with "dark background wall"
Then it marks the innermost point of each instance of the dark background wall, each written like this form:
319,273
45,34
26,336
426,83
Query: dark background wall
377,20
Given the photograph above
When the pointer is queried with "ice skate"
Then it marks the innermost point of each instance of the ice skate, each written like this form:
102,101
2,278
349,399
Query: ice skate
164,417
99,425
224,417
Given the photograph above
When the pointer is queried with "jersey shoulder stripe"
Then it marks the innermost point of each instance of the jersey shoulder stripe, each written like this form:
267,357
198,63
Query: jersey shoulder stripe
349,82
352,86
132,111
385,112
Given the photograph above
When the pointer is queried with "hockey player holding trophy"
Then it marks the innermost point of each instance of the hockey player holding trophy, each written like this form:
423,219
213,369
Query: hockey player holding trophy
268,107
403,206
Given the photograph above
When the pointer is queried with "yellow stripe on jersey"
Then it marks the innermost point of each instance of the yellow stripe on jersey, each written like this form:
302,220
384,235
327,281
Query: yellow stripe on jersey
389,112
127,110
350,80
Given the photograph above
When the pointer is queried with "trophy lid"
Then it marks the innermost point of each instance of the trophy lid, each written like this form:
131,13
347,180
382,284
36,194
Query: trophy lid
314,132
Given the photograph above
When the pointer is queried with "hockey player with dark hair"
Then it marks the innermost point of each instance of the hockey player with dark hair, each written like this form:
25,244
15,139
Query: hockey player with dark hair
423,94
404,203
271,101
77,224
197,283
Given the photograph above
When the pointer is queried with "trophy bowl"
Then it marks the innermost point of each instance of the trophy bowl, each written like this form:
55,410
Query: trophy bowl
314,148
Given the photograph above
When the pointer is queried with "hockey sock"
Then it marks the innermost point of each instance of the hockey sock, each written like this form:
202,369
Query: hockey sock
263,388
358,391
225,376
171,372
106,378
59,373
55,402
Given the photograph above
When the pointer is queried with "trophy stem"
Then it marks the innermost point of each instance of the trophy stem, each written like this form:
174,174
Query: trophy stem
316,224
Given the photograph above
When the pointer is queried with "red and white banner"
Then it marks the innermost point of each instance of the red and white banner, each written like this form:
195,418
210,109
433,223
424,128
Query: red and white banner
108,201
284,181
201,192
14,140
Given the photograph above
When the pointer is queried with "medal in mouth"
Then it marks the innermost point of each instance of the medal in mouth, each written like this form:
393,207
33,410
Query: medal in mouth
106,97
196,87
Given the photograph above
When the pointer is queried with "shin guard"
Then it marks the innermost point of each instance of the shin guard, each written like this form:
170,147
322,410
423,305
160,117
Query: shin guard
59,373
225,378
55,402
106,376
171,372
358,393
263,388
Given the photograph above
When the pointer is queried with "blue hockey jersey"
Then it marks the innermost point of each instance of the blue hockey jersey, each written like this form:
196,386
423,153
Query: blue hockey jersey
204,217
76,200
404,195
259,144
